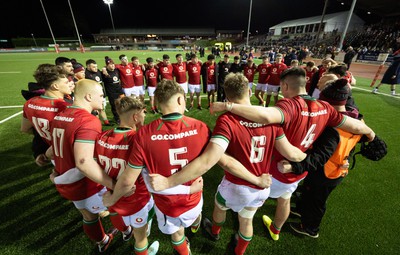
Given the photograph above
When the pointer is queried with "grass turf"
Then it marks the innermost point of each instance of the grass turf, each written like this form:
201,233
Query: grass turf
362,214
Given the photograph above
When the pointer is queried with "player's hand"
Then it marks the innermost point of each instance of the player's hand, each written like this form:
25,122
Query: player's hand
285,167
158,182
371,136
197,185
131,192
108,199
104,71
42,160
265,181
53,175
217,107
345,165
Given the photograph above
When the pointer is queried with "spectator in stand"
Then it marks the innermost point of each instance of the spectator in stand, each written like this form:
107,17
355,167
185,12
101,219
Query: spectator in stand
348,57
272,55
289,57
303,54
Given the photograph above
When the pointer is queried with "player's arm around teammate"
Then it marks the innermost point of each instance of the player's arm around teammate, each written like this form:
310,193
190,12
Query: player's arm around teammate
273,115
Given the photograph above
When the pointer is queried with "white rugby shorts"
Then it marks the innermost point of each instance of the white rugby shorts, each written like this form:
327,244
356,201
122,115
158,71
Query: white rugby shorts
237,197
139,219
282,190
169,225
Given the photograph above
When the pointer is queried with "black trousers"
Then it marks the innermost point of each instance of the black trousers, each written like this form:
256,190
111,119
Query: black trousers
220,93
111,99
315,191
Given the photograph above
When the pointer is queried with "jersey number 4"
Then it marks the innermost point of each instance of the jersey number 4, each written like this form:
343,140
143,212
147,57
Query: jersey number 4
309,139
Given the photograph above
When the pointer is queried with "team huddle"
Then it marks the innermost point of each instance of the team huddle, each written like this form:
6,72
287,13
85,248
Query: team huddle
135,172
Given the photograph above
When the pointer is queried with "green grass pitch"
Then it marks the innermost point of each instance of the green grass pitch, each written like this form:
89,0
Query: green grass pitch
362,216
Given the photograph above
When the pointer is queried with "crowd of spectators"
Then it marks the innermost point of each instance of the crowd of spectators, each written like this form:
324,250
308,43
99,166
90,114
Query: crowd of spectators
382,37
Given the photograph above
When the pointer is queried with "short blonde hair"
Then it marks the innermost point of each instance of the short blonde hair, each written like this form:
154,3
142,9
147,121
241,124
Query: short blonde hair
127,104
236,85
167,89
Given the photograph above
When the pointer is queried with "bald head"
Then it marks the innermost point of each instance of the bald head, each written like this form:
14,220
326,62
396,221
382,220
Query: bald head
84,87
89,95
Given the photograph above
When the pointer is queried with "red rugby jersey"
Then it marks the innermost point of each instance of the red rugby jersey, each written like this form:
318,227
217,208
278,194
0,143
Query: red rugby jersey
249,142
262,70
112,152
304,119
210,73
126,75
138,75
166,145
274,72
40,111
73,125
194,72
165,71
151,77
249,72
309,76
179,71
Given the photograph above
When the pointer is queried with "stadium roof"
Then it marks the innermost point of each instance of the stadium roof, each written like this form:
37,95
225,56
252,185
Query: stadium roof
162,32
309,20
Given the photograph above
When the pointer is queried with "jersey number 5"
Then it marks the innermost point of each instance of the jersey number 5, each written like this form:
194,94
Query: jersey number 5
257,149
173,158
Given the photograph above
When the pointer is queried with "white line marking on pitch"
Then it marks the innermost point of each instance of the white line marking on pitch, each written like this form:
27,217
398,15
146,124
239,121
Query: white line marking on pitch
12,116
397,97
10,72
11,106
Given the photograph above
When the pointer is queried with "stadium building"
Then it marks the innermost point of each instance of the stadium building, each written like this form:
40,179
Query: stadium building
334,22
158,38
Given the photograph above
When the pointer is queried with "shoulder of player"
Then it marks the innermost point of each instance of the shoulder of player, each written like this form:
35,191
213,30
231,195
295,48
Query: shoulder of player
194,122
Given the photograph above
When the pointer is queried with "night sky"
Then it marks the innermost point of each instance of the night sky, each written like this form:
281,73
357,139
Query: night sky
93,15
